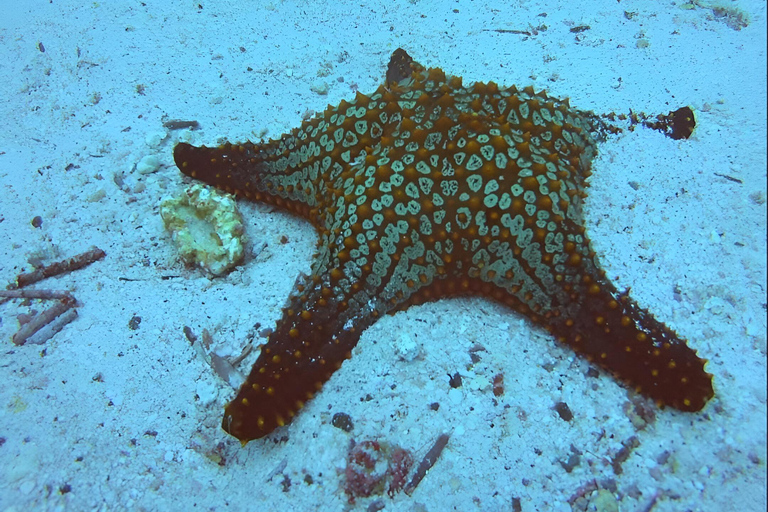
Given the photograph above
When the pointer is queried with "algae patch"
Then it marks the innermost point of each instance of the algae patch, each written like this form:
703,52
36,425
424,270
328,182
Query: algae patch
206,228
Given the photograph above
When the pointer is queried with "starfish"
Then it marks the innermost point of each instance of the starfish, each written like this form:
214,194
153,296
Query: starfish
429,189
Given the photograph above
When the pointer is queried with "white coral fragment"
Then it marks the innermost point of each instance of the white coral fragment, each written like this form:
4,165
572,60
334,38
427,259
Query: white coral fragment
206,228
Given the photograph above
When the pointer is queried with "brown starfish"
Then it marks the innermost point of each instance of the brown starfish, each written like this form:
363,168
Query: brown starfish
428,189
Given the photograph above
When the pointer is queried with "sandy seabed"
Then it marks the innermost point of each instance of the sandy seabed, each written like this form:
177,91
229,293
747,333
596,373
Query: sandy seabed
118,411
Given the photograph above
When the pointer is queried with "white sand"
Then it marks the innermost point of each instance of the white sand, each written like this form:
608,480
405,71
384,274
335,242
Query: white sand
145,434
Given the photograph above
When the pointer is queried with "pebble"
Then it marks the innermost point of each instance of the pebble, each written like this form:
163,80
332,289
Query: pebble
406,347
154,139
148,164
319,88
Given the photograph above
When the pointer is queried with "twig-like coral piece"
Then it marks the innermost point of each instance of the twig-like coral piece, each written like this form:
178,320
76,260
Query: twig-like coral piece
45,325
427,462
50,330
36,294
279,469
60,267
41,320
179,124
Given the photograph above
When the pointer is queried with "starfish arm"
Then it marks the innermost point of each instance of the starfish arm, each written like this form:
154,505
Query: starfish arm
560,286
611,330
357,277
302,172
257,172
317,332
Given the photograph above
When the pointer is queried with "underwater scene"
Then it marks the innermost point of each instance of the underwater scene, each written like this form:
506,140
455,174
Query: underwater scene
408,256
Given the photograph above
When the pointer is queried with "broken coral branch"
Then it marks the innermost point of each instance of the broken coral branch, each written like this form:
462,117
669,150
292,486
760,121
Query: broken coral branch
427,462
59,267
46,317
49,331
36,294
45,325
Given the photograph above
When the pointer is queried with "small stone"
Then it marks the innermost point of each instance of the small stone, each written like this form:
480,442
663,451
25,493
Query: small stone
154,139
563,410
406,347
97,196
148,164
319,88
573,460
498,384
602,501
134,322
342,421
